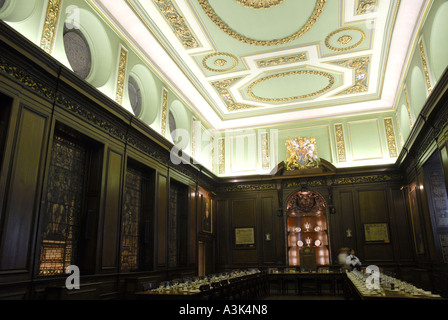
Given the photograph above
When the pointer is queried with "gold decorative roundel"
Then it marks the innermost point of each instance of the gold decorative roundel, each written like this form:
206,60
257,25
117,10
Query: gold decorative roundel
260,4
330,78
345,39
220,60
320,4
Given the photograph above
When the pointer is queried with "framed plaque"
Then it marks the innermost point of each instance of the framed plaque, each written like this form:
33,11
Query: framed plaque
376,232
245,237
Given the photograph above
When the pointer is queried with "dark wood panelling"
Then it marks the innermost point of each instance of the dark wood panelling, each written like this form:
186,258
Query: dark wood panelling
267,219
222,232
162,198
112,210
23,195
244,215
192,226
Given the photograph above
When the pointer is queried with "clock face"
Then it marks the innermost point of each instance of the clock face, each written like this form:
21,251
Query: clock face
300,243
317,243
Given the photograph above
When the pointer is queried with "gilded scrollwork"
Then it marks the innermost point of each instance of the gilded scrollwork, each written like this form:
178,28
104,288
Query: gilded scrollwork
221,156
366,6
177,23
121,75
340,49
220,61
330,78
425,66
340,142
361,69
320,4
164,111
50,25
390,137
265,159
277,61
260,4
222,87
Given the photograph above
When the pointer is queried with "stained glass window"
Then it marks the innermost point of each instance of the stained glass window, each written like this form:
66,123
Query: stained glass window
131,218
64,199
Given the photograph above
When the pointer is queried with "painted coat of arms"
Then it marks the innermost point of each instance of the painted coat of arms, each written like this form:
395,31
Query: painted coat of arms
301,153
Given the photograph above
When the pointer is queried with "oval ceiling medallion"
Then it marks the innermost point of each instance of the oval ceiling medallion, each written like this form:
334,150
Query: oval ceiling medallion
260,4
224,27
330,78
223,61
345,39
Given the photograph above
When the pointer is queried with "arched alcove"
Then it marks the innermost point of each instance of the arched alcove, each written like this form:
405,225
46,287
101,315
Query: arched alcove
307,230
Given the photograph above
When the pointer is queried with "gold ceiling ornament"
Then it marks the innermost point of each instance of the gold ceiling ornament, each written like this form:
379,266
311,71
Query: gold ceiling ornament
220,61
345,39
222,87
320,4
340,142
366,6
260,4
291,73
121,75
276,61
425,66
360,65
177,23
328,38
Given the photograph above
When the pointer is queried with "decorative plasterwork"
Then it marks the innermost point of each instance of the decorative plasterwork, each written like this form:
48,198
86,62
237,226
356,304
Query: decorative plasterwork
222,87
212,153
328,38
177,23
399,129
292,73
121,78
390,137
194,128
224,27
361,68
366,6
50,25
340,142
260,4
265,159
221,156
278,61
425,65
164,111
408,106
220,61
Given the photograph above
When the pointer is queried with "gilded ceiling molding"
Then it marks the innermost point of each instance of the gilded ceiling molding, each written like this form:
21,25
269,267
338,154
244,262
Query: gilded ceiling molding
50,25
366,6
291,73
260,4
222,87
361,67
345,39
121,78
390,137
320,4
425,66
277,61
340,142
221,156
220,62
408,106
265,159
328,38
164,111
177,23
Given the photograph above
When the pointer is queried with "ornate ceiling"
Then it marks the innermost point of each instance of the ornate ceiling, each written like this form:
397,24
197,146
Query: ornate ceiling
243,63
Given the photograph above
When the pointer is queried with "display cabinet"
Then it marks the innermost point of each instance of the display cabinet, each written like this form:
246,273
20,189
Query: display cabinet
306,226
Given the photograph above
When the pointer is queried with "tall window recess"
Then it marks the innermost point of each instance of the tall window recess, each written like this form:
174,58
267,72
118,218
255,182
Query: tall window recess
178,224
137,236
72,197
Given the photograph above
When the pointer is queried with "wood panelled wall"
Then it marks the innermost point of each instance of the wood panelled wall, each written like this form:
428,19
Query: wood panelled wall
38,98
356,203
